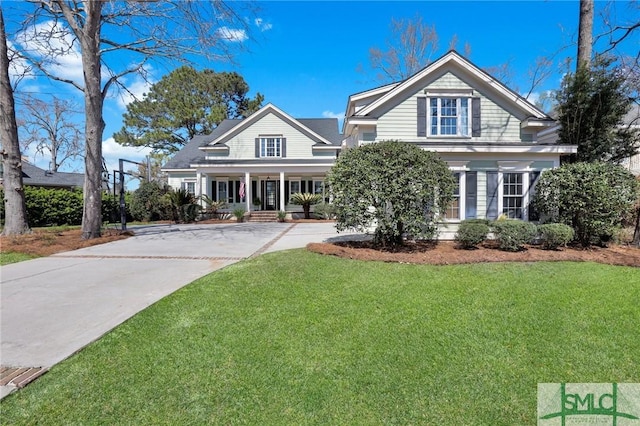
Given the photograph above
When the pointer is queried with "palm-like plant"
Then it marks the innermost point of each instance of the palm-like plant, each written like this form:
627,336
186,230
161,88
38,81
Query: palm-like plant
306,200
183,205
212,206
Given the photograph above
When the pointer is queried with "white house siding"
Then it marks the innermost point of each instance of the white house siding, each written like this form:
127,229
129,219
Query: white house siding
175,179
498,125
242,146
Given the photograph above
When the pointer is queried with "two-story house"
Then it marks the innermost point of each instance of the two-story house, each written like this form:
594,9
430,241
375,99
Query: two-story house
258,162
495,142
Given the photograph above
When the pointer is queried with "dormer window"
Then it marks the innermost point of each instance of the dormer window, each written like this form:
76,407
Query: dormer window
449,117
270,147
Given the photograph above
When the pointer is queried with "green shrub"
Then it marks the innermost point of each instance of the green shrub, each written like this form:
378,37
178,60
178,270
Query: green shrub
324,211
239,214
306,200
511,234
554,235
393,187
111,207
472,232
57,206
593,198
148,203
183,206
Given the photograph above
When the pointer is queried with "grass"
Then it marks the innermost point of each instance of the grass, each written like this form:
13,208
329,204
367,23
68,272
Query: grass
14,257
298,338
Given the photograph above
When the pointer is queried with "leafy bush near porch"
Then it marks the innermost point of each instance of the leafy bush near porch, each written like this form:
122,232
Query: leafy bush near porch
183,206
306,200
593,198
239,214
325,211
472,232
396,187
554,235
148,202
511,235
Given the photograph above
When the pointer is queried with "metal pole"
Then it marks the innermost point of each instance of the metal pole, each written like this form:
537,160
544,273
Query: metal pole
148,168
123,213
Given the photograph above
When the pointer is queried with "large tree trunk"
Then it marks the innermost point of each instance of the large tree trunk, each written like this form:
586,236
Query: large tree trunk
14,204
585,34
636,229
94,124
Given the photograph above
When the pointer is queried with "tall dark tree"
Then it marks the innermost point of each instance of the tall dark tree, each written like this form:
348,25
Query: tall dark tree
99,31
585,34
183,104
591,107
14,202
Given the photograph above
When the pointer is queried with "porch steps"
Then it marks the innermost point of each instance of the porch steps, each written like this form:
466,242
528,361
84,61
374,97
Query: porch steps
263,216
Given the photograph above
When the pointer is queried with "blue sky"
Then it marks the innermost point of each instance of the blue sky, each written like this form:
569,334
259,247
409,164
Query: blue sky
304,56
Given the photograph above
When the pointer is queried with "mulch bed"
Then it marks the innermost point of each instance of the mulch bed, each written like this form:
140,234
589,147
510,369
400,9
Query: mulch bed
448,253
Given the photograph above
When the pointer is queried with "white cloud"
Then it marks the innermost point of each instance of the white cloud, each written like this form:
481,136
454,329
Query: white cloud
533,97
232,34
113,152
53,43
263,26
19,69
331,114
135,89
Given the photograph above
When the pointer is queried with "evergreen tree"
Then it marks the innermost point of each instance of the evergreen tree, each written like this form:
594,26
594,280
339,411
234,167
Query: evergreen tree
183,104
592,104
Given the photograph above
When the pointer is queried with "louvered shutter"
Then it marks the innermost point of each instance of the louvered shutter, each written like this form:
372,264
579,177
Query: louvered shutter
422,117
492,195
476,128
471,196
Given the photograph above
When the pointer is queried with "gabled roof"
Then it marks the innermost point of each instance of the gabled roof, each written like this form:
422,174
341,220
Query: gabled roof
323,130
319,129
451,58
35,176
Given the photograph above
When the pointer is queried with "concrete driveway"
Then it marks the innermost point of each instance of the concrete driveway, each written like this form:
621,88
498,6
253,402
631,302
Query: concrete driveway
52,307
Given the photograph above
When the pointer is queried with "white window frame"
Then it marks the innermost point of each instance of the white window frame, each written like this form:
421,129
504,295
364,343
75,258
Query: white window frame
457,197
461,118
513,195
190,182
270,152
226,184
522,167
291,191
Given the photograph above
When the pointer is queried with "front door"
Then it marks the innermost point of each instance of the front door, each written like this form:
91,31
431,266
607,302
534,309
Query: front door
270,192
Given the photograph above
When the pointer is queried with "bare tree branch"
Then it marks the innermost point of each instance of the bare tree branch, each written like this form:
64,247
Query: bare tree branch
92,32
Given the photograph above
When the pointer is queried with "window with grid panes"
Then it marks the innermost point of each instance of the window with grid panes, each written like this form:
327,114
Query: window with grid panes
512,195
453,212
270,147
449,116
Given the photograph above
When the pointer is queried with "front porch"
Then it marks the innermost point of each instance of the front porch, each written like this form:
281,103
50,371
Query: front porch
262,193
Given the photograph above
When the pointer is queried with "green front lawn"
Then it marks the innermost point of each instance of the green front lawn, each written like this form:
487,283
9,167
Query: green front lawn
14,257
299,338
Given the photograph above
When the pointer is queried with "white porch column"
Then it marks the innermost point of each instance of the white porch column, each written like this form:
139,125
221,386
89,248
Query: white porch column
248,196
199,187
282,200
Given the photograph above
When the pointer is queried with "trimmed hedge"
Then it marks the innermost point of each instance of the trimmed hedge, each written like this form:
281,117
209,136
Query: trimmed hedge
472,232
54,206
512,234
324,211
554,235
